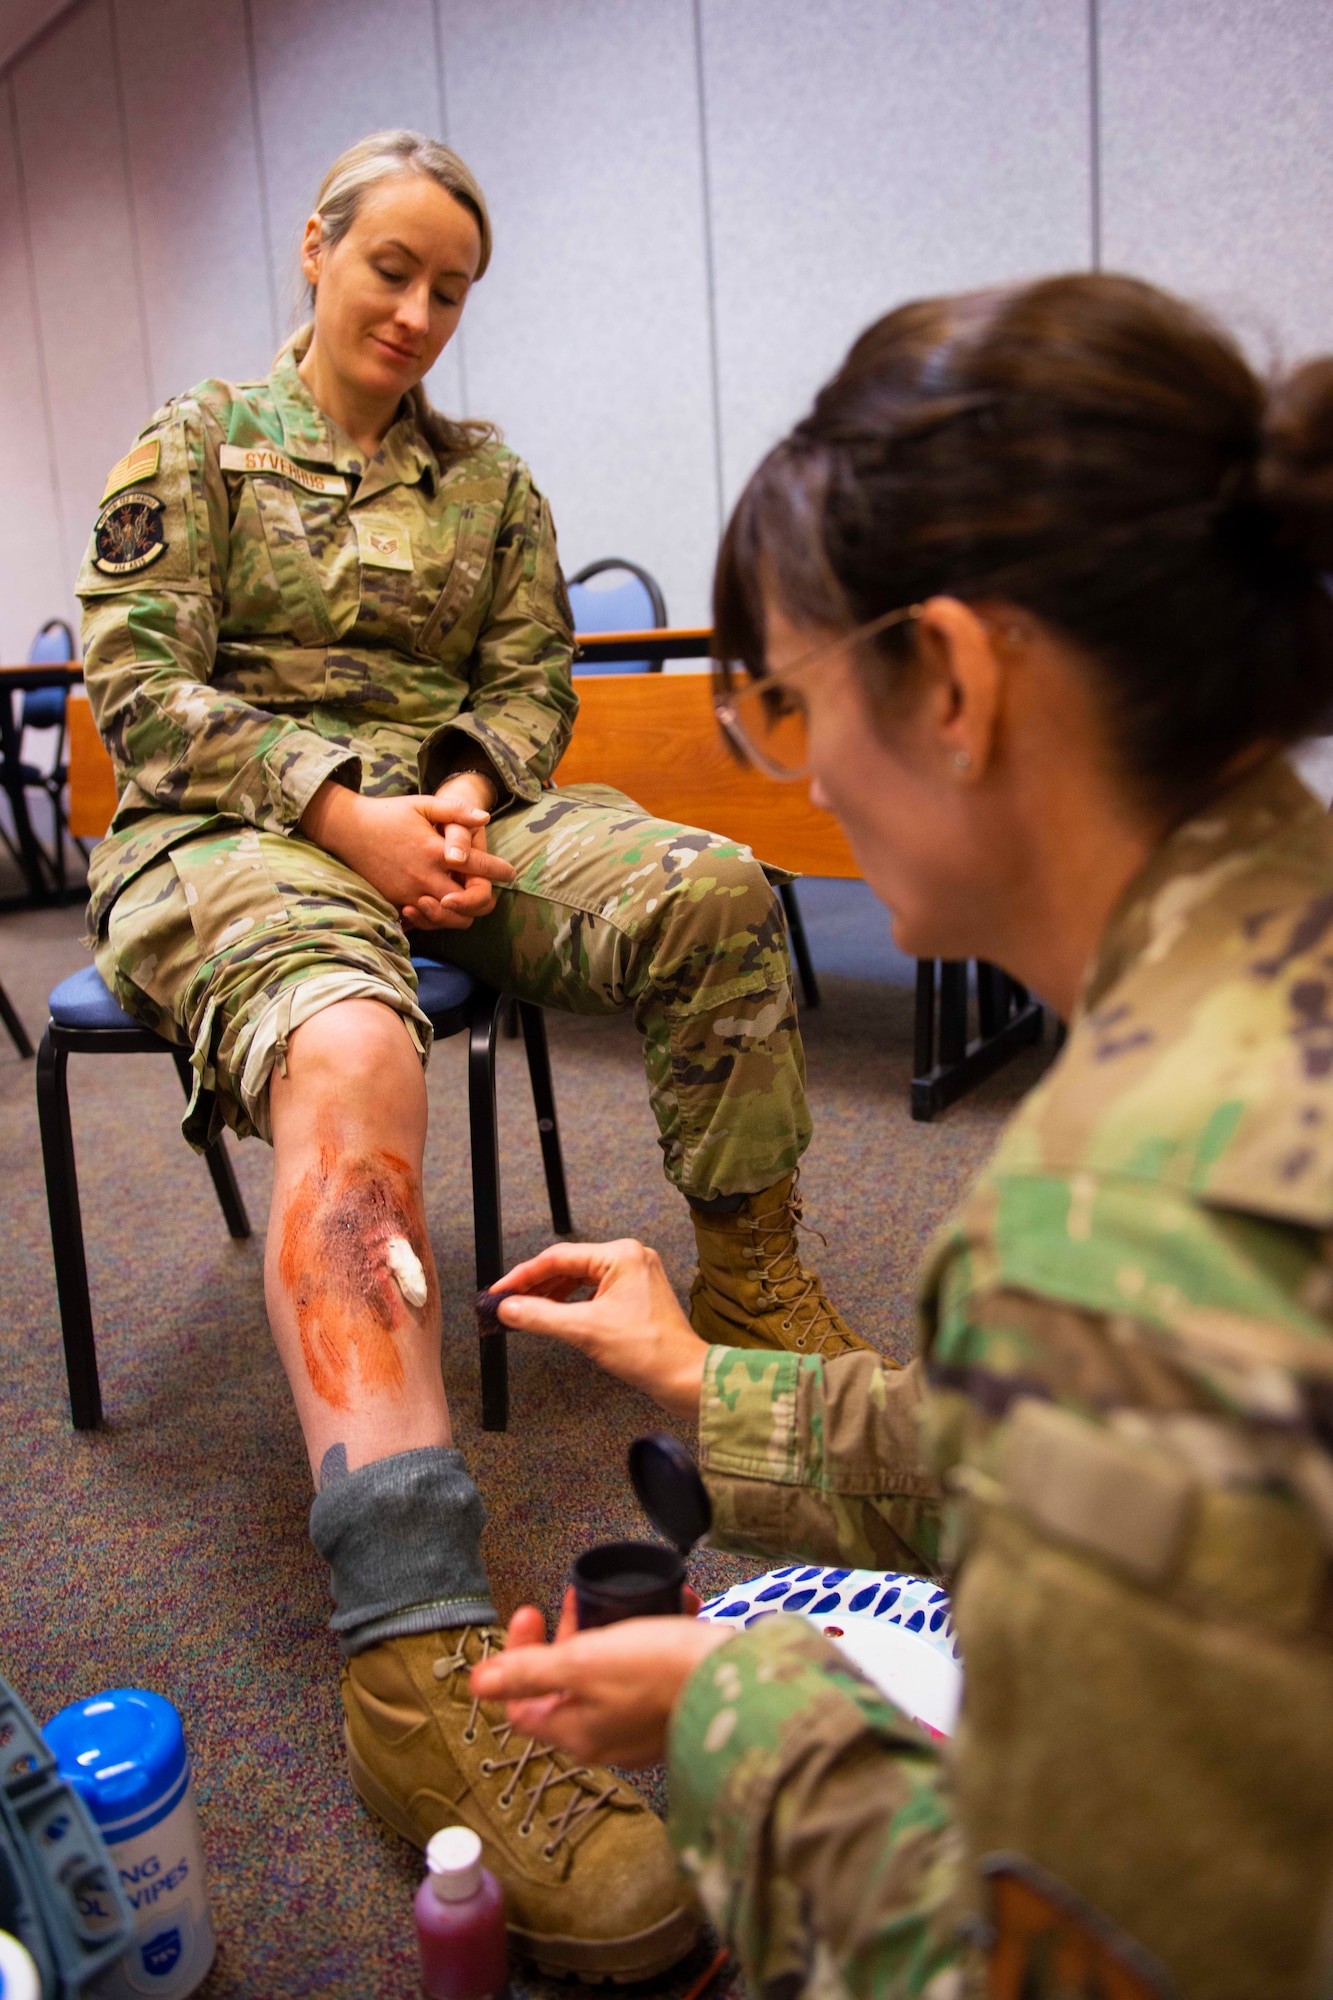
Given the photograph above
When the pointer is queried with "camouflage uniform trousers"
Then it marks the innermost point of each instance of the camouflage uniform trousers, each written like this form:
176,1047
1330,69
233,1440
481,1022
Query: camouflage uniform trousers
235,937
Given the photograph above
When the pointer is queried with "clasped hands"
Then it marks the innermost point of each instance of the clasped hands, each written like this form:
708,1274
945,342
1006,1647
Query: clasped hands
425,854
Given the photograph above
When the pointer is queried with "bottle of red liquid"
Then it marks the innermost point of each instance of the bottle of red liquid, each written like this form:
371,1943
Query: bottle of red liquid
460,1921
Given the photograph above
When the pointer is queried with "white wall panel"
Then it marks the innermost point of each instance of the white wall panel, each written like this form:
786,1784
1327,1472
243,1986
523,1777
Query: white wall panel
197,198
875,151
22,20
330,71
34,579
1217,158
84,257
588,338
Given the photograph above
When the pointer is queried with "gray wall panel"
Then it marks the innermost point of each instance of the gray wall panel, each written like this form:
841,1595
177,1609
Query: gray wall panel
588,339
21,21
85,258
905,150
858,154
34,580
1217,158
330,71
196,190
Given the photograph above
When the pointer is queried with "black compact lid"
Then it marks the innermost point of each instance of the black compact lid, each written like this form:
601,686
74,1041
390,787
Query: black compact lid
670,1491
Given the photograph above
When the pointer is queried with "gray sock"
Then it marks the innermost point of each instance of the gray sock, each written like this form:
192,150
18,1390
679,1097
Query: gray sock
402,1539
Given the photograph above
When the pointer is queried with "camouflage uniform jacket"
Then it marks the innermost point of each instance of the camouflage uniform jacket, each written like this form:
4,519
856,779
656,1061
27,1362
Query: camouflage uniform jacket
264,610
1129,1398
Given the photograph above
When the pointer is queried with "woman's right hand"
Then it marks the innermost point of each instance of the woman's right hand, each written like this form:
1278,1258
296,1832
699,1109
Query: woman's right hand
633,1326
409,848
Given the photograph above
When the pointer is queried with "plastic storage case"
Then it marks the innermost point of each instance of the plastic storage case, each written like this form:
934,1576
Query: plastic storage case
60,1894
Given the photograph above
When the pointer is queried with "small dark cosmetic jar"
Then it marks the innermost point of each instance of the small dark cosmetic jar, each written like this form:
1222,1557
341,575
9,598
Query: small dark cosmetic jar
627,1580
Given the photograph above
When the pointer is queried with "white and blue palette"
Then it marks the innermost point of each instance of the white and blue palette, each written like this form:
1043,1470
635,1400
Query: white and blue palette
897,1629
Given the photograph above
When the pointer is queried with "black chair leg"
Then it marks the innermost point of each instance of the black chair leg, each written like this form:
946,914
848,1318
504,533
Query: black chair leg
18,1034
230,1199
923,1057
62,1200
543,1097
486,1218
953,1010
800,947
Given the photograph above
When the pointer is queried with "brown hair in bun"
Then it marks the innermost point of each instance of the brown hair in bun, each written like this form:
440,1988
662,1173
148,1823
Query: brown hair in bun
1097,451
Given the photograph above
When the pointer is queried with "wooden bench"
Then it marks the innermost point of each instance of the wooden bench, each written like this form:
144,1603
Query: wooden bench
655,738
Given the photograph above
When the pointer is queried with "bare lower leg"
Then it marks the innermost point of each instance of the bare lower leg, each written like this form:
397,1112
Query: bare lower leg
352,1294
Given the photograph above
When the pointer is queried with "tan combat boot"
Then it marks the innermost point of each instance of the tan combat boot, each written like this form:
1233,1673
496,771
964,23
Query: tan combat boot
590,1882
752,1290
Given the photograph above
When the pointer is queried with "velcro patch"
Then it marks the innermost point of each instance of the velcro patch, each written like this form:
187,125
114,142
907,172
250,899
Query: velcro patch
276,464
129,534
1127,1502
141,463
382,544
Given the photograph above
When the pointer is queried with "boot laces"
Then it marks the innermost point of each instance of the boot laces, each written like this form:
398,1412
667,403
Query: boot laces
587,1793
775,1257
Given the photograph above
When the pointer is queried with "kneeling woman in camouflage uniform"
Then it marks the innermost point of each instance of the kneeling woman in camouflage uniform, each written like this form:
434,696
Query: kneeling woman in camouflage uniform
328,645
1063,614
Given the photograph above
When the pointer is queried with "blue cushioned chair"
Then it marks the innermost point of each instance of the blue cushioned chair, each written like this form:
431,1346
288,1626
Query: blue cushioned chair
43,709
634,604
85,1018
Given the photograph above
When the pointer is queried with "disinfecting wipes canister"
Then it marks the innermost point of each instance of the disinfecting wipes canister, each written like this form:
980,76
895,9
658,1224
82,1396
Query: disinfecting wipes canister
125,1753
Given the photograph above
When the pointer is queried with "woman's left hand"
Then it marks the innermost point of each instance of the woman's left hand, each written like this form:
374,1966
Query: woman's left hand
604,1696
474,896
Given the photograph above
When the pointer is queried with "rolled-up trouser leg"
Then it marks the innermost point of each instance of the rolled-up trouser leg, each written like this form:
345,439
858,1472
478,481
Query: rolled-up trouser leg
402,1538
233,939
614,911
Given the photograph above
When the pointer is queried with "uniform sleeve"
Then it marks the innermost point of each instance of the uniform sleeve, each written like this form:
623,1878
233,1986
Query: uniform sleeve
814,1820
150,627
821,1460
522,704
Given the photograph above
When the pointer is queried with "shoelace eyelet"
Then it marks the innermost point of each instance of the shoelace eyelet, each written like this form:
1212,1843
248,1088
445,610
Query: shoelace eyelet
469,1735
548,1852
487,1767
505,1800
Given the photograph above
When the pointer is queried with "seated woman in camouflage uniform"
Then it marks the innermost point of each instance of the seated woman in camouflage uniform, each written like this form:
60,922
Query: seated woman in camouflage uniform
1038,583
328,645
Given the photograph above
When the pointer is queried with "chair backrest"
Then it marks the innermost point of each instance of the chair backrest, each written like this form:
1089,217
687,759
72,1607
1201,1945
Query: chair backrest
44,708
627,599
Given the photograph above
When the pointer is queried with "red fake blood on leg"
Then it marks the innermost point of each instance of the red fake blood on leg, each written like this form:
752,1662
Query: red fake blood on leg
334,1267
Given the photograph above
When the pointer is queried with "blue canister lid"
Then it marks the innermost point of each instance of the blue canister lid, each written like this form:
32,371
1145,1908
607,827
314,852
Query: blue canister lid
124,1753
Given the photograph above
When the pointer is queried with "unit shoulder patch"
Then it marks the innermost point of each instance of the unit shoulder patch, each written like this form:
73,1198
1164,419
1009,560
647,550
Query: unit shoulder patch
129,534
267,460
141,463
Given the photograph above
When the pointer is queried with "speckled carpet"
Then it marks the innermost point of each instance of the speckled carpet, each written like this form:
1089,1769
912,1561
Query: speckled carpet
169,1549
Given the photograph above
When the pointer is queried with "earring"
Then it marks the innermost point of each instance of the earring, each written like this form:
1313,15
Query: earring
962,762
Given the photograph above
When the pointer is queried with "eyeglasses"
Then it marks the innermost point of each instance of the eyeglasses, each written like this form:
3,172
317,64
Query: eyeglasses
765,720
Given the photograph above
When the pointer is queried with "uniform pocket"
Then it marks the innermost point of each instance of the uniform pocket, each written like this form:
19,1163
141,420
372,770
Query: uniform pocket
228,889
294,570
473,549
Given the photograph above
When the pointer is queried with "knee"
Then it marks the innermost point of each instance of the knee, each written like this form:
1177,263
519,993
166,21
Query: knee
354,1047
724,894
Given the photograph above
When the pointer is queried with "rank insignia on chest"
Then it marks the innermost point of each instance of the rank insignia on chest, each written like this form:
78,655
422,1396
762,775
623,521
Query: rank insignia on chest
129,535
382,545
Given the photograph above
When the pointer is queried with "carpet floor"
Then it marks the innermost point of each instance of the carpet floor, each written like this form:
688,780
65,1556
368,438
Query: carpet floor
169,1549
